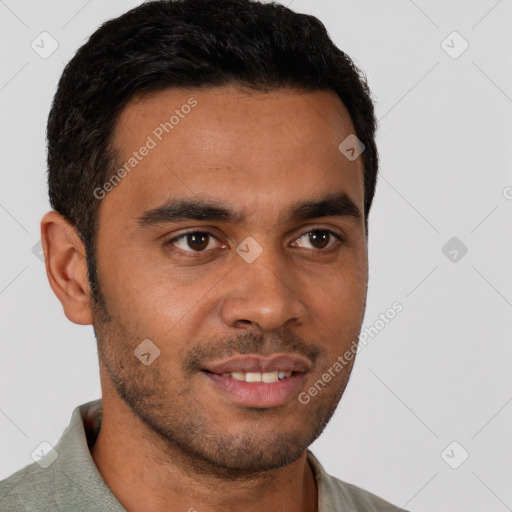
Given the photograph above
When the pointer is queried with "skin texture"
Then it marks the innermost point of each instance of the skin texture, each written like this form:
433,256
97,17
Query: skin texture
168,434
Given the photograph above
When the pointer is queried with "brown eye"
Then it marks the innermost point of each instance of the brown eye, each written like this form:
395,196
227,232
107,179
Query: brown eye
320,238
197,241
193,241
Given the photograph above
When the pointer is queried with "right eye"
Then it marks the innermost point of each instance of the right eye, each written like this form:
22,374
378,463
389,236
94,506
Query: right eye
198,241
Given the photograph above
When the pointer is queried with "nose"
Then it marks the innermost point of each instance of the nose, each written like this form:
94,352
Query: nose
264,294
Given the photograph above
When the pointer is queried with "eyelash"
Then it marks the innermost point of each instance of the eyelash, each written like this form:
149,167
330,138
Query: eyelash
196,254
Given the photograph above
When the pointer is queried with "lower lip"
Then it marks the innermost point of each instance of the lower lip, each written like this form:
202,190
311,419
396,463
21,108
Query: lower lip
258,394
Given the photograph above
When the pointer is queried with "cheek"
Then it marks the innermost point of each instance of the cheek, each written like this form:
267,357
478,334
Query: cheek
341,307
151,301
340,302
353,286
135,293
344,283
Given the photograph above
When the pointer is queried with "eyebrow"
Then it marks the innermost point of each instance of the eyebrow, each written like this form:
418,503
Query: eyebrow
178,209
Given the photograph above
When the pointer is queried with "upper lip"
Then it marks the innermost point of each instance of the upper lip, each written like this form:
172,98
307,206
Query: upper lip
254,363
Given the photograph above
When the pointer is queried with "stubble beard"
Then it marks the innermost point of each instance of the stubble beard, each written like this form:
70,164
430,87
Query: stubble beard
188,433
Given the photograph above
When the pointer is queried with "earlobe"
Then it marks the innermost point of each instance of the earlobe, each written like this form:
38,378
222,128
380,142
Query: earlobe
66,266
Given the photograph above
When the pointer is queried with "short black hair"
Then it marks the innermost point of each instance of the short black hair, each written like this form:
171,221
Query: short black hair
186,44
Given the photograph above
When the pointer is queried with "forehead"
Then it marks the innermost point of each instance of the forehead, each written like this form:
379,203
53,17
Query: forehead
232,145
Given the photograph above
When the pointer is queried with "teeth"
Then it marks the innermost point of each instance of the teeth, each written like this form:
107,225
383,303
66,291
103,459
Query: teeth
253,377
269,376
258,376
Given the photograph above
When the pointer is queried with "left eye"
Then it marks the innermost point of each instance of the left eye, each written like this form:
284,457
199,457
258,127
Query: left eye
320,238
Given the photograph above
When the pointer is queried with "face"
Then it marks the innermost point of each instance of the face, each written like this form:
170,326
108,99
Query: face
233,247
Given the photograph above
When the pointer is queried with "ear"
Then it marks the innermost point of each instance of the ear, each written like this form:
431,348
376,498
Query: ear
66,266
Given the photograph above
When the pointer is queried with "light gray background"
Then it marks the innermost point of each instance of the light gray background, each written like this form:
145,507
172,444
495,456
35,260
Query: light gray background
440,371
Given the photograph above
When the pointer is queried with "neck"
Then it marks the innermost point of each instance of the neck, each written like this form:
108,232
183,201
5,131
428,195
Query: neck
145,473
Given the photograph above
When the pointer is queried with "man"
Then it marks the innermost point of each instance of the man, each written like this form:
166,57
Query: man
211,169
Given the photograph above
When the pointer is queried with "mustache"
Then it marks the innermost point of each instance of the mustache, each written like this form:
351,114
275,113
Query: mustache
248,343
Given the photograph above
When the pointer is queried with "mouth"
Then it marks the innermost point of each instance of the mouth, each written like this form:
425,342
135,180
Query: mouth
266,377
256,381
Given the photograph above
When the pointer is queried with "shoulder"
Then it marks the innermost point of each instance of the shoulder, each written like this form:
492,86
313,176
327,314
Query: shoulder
63,477
336,495
30,488
345,496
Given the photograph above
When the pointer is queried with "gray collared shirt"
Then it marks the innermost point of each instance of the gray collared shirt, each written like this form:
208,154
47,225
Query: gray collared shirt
66,478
